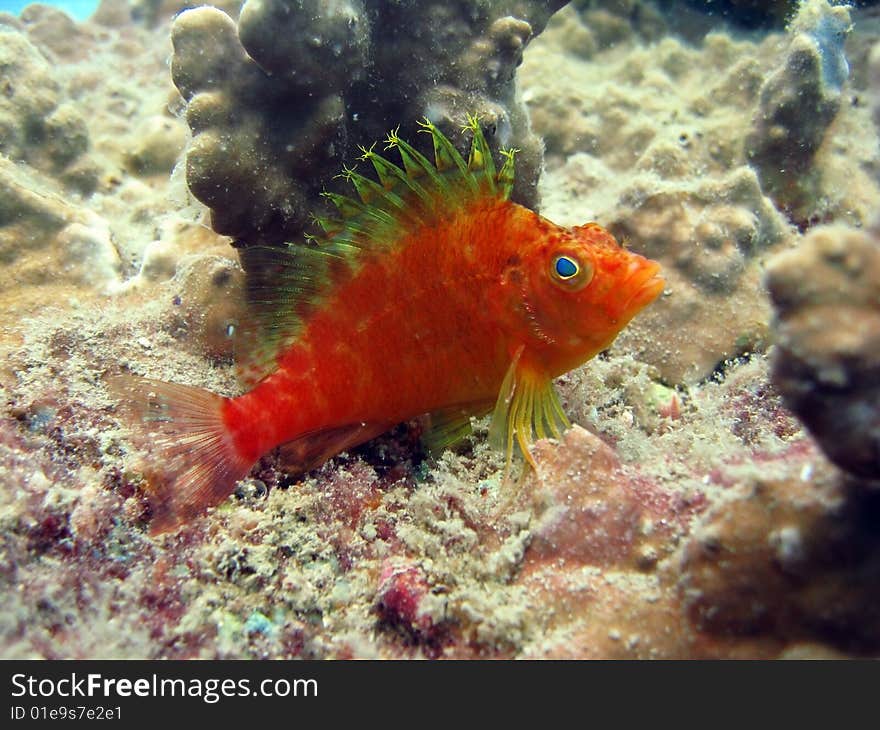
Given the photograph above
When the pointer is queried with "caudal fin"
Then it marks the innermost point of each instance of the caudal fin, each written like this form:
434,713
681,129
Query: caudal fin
193,463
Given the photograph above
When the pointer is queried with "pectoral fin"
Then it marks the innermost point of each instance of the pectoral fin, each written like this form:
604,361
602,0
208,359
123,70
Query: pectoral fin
449,426
527,407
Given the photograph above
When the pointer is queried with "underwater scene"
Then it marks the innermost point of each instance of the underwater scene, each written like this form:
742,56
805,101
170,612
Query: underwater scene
412,329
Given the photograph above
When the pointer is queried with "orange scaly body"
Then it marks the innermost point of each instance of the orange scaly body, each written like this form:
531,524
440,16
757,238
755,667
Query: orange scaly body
411,333
434,294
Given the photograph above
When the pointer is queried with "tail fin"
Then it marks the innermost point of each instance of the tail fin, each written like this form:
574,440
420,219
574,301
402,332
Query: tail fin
193,461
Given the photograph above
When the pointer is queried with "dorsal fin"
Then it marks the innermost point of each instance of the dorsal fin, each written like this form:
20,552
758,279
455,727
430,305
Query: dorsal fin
285,283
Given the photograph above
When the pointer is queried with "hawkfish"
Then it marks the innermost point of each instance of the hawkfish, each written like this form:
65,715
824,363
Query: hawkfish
428,292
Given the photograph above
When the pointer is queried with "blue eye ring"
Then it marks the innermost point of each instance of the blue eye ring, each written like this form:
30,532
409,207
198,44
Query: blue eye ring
565,268
571,271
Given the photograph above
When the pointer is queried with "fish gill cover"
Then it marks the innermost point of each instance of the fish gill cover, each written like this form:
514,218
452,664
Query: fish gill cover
689,514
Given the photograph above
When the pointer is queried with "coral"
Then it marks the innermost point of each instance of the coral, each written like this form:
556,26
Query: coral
159,142
36,222
688,18
651,141
88,141
827,358
694,521
36,125
750,13
153,12
54,30
797,104
609,22
112,13
711,238
679,192
72,211
874,82
279,101
795,559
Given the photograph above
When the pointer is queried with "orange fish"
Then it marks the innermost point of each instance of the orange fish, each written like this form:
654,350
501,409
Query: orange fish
430,293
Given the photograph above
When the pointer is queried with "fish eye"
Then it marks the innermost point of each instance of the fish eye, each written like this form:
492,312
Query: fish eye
570,272
565,268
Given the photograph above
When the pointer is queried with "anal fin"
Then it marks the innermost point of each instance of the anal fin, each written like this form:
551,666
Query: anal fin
310,451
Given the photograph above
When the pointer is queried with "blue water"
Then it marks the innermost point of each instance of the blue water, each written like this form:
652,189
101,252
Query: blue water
79,9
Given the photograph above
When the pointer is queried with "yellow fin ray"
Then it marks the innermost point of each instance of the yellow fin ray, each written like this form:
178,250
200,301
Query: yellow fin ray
527,407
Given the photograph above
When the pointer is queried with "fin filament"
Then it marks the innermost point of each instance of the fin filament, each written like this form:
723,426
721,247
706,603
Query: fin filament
527,406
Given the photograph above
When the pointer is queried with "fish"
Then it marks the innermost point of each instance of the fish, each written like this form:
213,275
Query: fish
428,291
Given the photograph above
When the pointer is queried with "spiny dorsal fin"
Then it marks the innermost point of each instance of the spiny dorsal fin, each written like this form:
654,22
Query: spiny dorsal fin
420,191
285,283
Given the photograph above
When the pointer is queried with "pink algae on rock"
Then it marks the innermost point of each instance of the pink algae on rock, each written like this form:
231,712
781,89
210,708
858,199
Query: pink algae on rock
589,511
404,602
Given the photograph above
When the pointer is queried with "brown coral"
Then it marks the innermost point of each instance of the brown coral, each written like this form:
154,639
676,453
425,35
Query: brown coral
278,101
827,360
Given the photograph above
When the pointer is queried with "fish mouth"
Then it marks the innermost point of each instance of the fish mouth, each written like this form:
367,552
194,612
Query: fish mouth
646,283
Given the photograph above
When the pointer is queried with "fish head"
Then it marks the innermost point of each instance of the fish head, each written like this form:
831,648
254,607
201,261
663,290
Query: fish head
581,289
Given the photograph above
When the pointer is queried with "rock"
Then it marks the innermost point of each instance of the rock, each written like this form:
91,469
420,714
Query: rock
90,257
208,305
588,511
45,239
